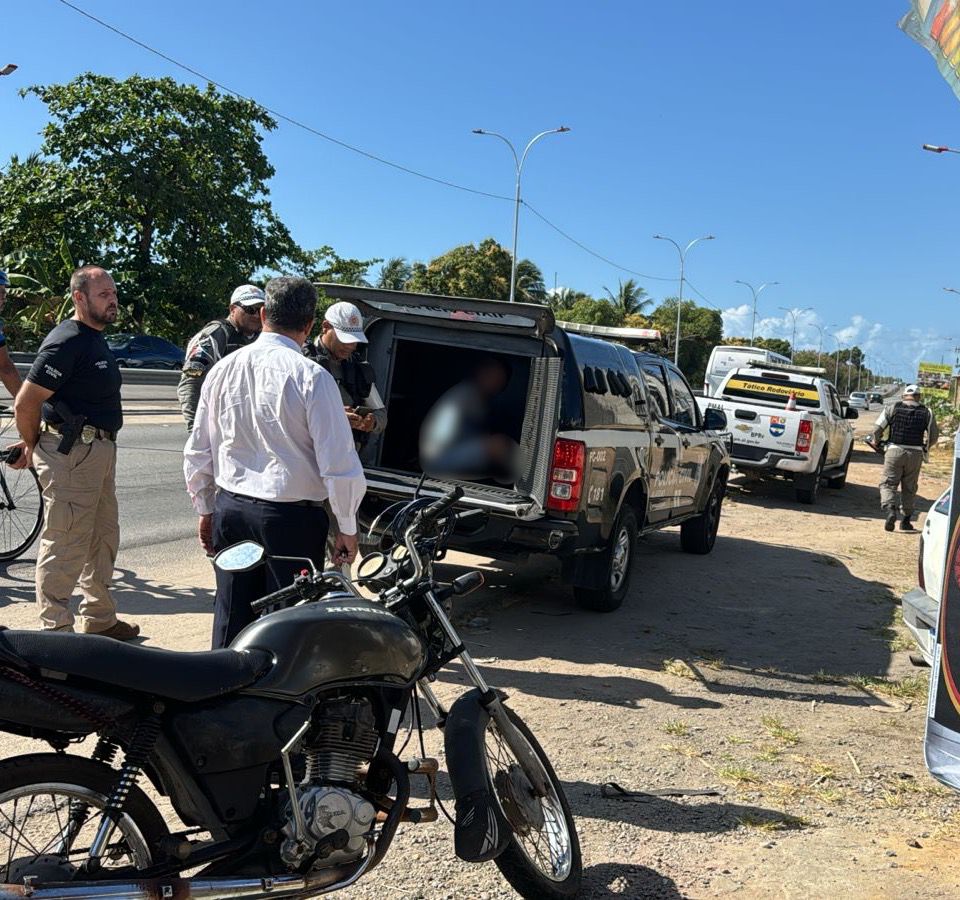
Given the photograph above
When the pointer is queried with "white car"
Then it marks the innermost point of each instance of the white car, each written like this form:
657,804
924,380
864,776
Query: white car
921,606
859,400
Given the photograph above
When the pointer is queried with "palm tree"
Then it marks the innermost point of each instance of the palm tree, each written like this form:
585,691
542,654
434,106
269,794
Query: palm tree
630,298
394,275
530,286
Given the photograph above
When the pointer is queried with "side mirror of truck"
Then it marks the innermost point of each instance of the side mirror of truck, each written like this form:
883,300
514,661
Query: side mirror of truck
850,413
714,419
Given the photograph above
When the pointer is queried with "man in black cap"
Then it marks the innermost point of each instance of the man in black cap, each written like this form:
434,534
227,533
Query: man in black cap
913,431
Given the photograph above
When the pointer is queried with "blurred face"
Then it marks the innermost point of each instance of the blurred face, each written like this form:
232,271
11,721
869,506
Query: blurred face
338,349
97,305
247,319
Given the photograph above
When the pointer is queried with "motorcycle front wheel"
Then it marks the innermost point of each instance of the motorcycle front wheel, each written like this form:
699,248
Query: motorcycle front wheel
51,806
542,859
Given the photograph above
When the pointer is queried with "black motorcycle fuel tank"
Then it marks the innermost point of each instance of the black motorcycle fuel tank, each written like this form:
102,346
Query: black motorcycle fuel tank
339,638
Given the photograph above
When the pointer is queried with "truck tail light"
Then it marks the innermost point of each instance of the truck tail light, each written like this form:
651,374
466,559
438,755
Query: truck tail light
566,475
804,436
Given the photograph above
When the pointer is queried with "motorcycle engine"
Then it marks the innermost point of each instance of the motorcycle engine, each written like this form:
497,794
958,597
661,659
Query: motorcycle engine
342,740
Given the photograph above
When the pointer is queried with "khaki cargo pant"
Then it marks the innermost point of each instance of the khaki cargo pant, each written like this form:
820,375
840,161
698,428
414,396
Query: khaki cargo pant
81,532
901,468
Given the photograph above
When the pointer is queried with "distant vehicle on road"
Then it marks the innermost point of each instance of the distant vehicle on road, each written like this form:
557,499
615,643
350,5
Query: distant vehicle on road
144,351
875,397
724,359
921,606
786,421
859,400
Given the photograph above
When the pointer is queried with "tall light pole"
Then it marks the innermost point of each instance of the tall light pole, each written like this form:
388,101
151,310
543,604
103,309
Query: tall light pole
820,345
518,161
756,293
683,255
951,290
836,371
934,148
793,315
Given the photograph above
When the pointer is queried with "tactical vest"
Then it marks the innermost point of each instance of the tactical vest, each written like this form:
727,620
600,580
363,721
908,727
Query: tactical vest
908,425
356,377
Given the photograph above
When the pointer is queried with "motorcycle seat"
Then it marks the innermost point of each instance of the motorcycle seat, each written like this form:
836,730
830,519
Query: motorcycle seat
172,674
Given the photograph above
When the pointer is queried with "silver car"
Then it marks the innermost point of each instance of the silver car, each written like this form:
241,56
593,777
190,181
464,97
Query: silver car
859,400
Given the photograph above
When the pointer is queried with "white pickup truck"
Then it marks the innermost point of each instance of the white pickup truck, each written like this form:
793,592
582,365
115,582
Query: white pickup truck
786,421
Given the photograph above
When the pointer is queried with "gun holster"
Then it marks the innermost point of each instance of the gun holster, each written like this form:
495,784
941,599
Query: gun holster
69,425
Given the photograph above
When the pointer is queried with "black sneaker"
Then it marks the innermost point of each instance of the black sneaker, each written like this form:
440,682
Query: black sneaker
906,524
891,522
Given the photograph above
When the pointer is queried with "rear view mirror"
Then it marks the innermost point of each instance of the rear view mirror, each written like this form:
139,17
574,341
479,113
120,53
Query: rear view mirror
850,413
240,557
714,419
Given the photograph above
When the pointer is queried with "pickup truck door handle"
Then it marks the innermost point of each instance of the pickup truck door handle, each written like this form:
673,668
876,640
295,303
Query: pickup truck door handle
685,442
658,440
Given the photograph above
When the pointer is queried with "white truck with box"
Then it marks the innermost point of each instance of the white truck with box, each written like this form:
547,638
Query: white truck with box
786,422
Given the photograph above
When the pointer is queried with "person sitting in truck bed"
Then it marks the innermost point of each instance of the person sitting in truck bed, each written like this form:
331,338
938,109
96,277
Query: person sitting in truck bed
456,438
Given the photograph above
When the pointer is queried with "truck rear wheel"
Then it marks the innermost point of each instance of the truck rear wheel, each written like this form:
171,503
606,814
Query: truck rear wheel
808,489
618,557
840,479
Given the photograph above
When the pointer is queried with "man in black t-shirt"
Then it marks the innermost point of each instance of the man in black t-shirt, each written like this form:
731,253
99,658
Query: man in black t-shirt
68,413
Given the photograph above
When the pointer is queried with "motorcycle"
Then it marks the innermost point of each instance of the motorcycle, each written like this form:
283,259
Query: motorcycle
279,753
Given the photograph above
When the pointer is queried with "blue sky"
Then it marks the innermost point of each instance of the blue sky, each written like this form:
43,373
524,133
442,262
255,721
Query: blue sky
792,132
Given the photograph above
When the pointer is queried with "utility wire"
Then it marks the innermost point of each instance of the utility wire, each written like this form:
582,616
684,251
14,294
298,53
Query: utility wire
279,115
351,147
586,249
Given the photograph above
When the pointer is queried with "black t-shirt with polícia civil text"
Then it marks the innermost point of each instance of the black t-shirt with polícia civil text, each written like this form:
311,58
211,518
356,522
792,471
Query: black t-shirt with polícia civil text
75,363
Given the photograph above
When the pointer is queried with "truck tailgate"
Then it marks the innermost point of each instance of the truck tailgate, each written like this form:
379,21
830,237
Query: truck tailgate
759,428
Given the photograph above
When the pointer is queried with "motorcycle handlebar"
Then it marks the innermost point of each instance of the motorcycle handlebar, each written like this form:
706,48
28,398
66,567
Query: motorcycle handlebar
433,512
282,596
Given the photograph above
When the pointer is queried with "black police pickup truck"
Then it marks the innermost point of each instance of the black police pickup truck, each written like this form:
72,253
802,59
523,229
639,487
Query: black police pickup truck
608,443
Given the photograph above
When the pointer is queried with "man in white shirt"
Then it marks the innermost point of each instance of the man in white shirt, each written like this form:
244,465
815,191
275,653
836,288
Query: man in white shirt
270,445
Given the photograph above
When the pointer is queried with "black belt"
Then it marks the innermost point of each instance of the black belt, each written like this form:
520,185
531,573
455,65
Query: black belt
87,432
246,498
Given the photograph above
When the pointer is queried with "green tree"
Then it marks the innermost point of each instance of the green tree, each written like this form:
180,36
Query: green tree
590,311
630,298
163,183
476,270
394,274
701,329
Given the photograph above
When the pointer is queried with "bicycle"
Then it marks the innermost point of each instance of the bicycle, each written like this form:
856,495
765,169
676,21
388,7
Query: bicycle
21,499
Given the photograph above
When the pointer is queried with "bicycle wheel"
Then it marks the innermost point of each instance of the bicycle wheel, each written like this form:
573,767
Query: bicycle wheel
21,511
21,502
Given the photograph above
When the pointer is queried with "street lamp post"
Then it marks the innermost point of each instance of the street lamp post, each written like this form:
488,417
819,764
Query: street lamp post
756,293
836,371
683,254
820,345
518,161
793,315
934,148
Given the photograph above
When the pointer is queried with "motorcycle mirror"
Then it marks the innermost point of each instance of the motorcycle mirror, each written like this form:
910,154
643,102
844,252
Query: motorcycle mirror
240,557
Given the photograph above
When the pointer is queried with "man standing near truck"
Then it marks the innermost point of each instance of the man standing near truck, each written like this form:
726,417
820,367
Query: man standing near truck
913,431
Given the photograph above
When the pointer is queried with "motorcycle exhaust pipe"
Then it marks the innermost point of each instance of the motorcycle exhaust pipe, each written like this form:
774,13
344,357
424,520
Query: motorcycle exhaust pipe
291,886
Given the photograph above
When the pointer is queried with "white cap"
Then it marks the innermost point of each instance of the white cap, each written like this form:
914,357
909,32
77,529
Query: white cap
347,322
247,295
911,390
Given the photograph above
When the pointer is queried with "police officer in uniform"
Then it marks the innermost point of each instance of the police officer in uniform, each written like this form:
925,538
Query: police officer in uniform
336,350
913,431
214,341
68,413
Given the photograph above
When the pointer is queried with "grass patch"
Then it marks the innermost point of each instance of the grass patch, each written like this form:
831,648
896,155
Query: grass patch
774,821
713,662
776,729
687,751
679,669
739,774
769,753
912,687
830,795
676,728
736,741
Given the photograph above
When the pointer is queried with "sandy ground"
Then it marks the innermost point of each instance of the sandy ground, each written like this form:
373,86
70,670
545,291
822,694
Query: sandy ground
773,671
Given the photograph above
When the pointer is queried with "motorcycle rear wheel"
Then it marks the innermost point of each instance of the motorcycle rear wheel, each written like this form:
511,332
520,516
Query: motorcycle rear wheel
542,859
51,806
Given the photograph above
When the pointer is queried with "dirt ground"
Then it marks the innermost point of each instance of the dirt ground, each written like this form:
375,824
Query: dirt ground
773,671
